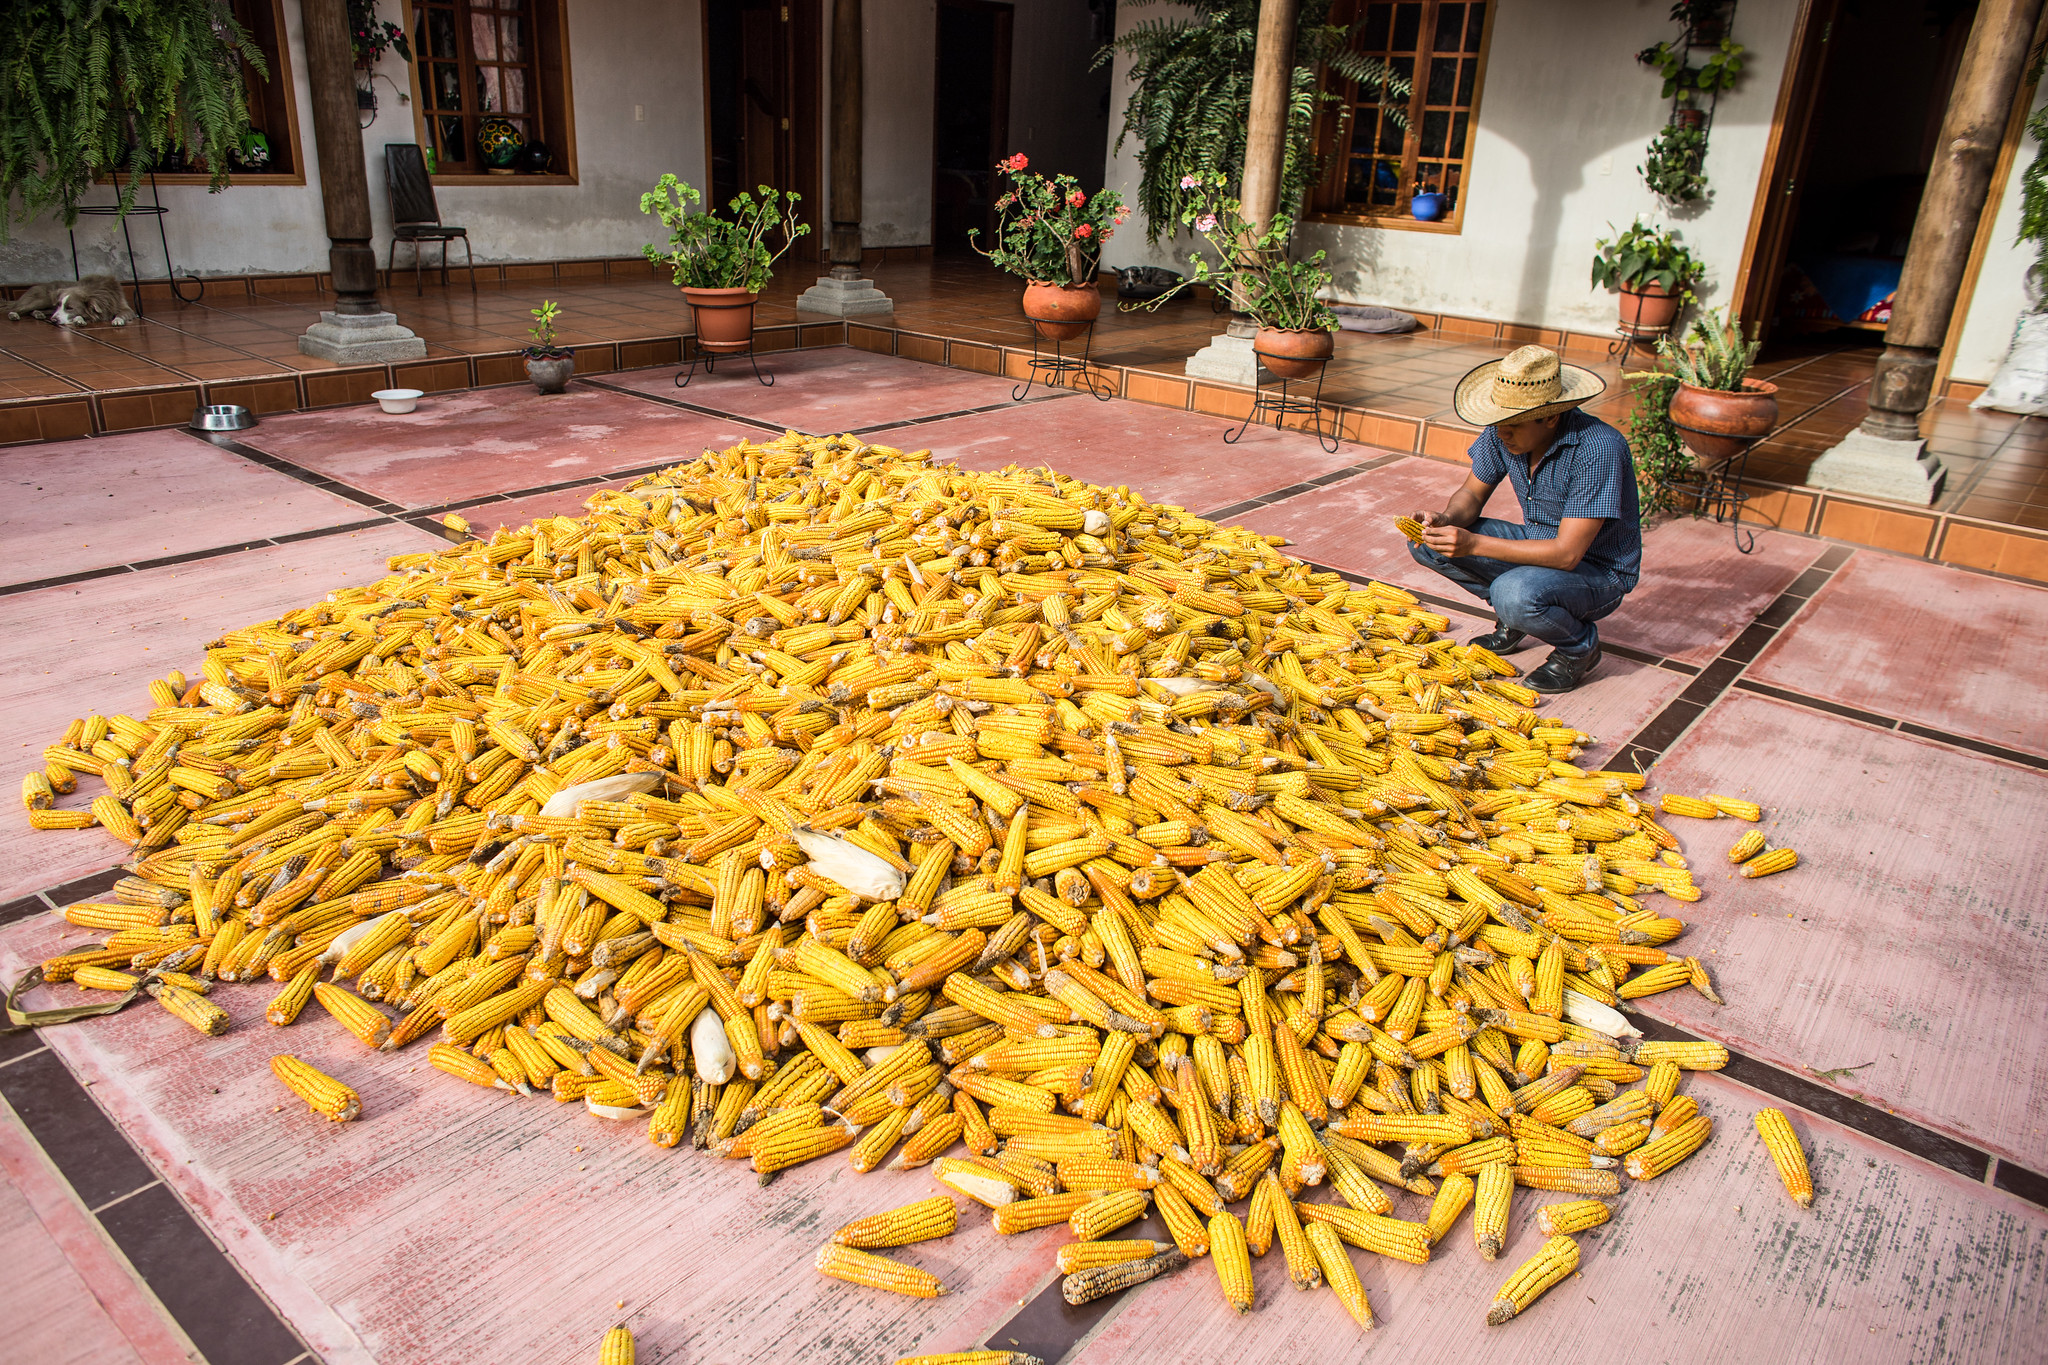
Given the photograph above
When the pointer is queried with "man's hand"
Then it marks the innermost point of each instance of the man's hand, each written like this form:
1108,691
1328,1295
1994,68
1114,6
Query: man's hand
1429,518
1449,541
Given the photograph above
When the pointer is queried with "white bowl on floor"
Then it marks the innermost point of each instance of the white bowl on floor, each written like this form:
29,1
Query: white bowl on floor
398,401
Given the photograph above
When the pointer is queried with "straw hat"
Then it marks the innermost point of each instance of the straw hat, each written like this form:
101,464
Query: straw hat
1525,383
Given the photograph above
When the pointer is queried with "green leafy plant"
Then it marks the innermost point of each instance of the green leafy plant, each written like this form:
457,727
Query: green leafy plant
1713,354
1191,94
1252,265
96,88
709,252
1720,71
1660,456
1048,229
543,333
1673,165
2034,198
1644,254
370,37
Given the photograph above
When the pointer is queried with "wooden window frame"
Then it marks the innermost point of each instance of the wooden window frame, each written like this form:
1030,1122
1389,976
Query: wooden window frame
554,98
1396,216
277,99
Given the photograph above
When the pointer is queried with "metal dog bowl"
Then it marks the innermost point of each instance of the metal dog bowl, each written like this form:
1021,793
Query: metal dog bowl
222,417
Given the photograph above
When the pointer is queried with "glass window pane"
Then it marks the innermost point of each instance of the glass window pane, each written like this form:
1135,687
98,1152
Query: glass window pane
1450,20
512,32
1457,145
1428,176
1468,78
441,33
1392,136
1407,27
1372,36
1358,181
447,86
1436,124
1386,183
454,142
1443,80
1475,25
1404,67
483,38
1362,130
515,90
487,90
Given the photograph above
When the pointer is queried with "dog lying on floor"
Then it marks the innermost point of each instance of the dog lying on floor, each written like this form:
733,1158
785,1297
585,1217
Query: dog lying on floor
78,303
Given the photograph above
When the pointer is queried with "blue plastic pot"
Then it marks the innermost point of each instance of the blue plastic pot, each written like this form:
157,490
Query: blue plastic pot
1427,208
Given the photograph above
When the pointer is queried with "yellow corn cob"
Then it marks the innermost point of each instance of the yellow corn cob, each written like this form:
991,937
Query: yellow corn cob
284,1007
1783,1145
195,1010
1494,1189
103,979
1557,1261
1084,1286
1660,1154
1567,1180
617,1347
1670,976
357,1015
1748,846
972,1358
1411,528
1452,1196
1100,1217
1769,861
1338,1272
1183,1224
322,1092
1233,1260
1736,806
1392,1237
804,1144
1077,1256
1574,1215
917,1222
1685,1056
876,1272
1671,803
465,1066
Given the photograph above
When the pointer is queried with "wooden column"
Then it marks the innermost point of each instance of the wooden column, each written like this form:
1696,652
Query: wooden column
1957,186
847,93
338,138
1265,144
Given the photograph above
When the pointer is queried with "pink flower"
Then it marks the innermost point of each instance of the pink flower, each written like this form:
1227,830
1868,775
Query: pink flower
1188,182
1084,231
1206,223
1076,199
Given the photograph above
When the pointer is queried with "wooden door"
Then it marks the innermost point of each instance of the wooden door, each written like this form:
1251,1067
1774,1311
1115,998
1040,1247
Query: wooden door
1776,208
762,72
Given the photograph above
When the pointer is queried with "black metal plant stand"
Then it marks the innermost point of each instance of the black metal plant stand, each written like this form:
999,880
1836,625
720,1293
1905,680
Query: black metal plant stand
710,359
1628,338
1050,370
154,209
1281,405
1719,490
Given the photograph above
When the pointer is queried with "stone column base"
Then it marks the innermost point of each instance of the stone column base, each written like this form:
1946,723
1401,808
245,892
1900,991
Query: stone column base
361,339
1880,468
1229,359
842,298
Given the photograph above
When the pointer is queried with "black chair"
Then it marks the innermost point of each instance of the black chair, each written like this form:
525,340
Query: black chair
415,217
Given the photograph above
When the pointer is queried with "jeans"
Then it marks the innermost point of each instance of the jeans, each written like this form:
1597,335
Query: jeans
1557,606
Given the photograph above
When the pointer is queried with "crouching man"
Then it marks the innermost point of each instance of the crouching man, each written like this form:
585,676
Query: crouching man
1577,550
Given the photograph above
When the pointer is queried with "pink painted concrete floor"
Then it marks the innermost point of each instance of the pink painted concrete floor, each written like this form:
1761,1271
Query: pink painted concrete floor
405,1236
1945,648
826,391
147,495
470,444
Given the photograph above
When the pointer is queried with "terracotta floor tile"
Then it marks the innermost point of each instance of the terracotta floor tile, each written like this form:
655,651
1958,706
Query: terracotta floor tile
829,390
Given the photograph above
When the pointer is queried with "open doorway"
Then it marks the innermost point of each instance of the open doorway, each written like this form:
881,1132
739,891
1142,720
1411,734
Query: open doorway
970,119
1839,202
761,104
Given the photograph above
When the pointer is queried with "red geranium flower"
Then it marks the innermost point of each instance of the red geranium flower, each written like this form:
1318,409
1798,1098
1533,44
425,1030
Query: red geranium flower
1084,231
1076,199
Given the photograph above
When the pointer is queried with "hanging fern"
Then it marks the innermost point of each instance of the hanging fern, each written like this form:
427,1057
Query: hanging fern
95,88
1190,105
2034,199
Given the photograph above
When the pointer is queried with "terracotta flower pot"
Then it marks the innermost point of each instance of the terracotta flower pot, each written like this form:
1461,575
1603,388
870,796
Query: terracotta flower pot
724,317
1715,424
1294,352
550,373
1061,312
1649,310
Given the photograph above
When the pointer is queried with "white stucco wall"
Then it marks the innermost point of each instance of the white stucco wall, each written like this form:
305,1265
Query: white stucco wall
1995,307
899,47
622,53
1565,114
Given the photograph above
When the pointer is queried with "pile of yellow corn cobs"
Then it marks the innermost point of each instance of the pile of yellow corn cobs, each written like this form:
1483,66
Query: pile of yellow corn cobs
812,796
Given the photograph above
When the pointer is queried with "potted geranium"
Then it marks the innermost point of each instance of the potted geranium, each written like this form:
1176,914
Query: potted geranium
1716,406
1049,232
548,365
1653,272
1297,329
721,264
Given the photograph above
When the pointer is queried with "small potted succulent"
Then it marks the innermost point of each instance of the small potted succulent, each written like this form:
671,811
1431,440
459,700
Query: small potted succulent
1297,329
1049,232
1717,408
722,264
548,365
1653,272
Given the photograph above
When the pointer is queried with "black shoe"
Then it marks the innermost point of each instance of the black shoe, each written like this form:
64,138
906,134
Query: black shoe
1562,672
1503,640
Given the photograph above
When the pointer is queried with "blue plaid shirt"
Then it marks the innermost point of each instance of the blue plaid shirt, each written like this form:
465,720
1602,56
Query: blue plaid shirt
1587,472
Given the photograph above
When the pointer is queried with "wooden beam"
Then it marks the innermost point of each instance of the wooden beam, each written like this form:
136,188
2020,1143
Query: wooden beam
847,92
1950,209
1265,147
338,141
